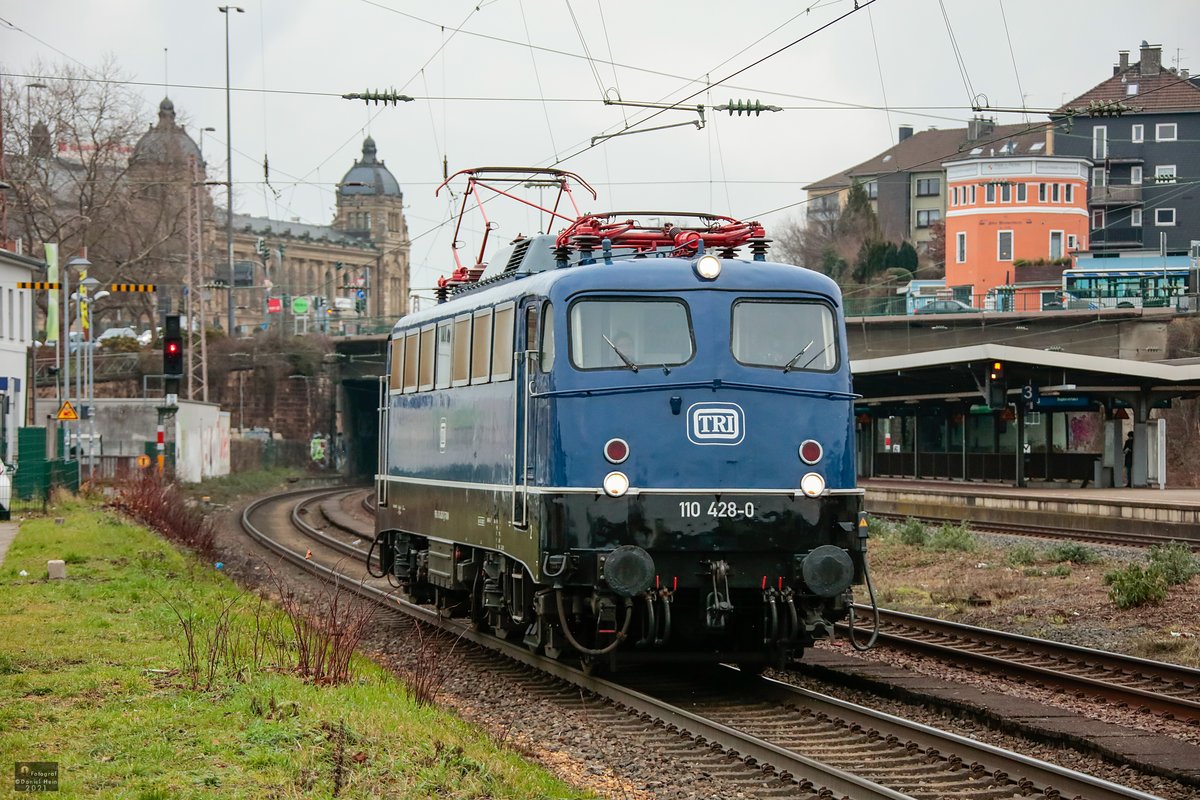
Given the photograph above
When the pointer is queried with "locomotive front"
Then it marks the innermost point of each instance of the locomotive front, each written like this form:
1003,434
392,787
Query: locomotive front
691,473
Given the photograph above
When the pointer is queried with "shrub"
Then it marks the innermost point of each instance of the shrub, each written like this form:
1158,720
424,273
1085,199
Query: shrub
952,537
1175,561
158,504
1135,585
1074,552
1022,555
913,533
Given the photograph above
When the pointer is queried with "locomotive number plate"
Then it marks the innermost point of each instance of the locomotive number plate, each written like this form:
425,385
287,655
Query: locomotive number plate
717,509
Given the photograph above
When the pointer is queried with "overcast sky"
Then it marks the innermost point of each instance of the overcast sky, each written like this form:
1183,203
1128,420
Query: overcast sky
485,97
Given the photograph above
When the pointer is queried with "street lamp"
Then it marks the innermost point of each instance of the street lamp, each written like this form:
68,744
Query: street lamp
226,10
80,263
86,327
201,145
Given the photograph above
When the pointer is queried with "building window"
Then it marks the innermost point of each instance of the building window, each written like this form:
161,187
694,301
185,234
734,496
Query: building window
1137,134
873,190
1072,243
1004,241
1165,132
990,193
928,217
1135,217
1164,173
1041,192
1164,217
1021,192
1135,176
1054,192
1056,244
1099,177
929,187
1100,142
960,248
1097,219
1006,193
1069,190
972,195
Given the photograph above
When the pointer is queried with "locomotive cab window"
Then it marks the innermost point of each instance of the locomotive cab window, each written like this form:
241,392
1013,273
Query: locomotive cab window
547,347
621,334
796,335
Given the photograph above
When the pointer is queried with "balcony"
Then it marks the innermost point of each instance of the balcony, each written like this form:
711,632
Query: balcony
1116,238
1115,196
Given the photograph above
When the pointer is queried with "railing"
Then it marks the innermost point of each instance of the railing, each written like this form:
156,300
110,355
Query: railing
1047,300
1114,195
1116,237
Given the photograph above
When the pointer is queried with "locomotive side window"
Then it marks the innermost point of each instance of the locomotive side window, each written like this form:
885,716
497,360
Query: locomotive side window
547,348
502,342
441,374
396,373
621,334
461,370
411,359
784,334
426,365
481,347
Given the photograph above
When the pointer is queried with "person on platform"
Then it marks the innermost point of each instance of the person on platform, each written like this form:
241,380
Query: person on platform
1129,459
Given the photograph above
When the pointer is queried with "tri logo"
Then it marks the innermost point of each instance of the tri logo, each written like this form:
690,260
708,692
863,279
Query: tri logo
716,423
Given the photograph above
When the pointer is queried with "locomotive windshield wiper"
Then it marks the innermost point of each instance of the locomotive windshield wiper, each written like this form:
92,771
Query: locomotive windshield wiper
628,361
788,366
824,350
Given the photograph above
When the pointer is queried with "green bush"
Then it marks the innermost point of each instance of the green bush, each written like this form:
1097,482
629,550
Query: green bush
1074,552
952,537
1022,555
1060,571
1175,561
1135,585
913,533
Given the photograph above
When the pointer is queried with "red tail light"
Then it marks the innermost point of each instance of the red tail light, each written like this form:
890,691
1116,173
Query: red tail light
616,450
810,451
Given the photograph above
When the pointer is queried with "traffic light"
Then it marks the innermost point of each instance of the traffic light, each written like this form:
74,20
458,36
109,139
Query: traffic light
172,354
997,386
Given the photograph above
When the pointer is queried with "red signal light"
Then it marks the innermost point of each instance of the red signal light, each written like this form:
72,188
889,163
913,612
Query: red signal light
616,450
172,348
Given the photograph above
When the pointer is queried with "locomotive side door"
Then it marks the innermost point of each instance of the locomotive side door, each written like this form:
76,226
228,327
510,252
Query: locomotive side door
526,346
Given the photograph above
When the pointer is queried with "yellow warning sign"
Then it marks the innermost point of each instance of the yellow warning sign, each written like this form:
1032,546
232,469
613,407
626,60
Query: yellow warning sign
67,412
143,461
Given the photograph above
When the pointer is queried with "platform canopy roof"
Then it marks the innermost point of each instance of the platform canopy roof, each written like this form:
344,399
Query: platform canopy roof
960,373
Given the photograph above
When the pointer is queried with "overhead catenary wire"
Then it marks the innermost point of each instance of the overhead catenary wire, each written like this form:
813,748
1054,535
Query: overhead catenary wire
538,77
1012,55
958,56
882,85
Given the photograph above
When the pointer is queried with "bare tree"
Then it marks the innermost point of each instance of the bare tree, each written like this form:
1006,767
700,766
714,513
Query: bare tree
69,149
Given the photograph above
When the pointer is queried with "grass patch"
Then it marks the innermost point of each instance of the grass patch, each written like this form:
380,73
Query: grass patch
229,488
93,676
1135,585
912,533
1175,561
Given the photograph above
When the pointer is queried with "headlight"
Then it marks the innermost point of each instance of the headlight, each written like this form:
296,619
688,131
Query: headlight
708,267
812,484
617,484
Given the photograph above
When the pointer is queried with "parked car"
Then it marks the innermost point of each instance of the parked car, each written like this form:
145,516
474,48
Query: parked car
947,307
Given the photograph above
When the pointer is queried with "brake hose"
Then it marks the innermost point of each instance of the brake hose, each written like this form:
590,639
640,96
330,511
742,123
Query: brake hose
874,609
588,651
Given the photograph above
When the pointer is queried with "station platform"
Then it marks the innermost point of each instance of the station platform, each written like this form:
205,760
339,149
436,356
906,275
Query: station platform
1174,512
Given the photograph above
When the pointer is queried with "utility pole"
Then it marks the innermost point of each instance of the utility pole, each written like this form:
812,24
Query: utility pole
227,11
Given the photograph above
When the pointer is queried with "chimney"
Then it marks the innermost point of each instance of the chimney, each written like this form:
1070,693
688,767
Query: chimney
1151,62
905,132
979,128
1049,140
1124,56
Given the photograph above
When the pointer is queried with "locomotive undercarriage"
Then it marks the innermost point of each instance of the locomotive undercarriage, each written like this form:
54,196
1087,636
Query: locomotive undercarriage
756,609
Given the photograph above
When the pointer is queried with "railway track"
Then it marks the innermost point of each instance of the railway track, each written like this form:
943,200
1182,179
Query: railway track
1166,689
776,739
1047,532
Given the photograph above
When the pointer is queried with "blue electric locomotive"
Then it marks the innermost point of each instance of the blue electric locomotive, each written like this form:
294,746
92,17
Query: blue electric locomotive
627,439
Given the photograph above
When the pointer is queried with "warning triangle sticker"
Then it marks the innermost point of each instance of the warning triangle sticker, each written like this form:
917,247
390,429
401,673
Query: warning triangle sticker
67,412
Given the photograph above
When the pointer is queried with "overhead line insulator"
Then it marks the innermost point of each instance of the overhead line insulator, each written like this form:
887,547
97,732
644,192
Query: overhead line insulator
388,97
747,107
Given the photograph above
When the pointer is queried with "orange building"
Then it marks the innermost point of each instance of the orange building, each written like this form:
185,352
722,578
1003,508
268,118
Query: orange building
1009,211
